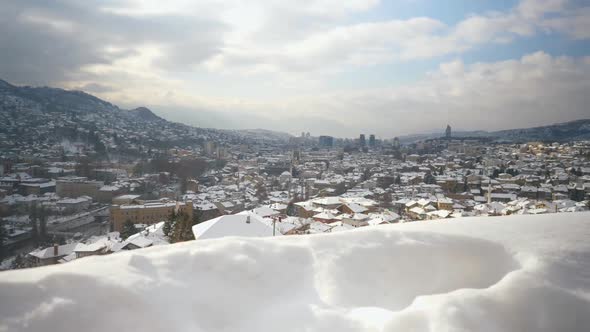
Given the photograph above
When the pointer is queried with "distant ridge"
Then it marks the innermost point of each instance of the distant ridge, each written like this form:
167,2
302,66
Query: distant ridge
4,84
265,134
559,132
55,100
52,116
566,131
145,114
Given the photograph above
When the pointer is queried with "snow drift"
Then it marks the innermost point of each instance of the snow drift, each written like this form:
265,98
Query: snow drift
525,273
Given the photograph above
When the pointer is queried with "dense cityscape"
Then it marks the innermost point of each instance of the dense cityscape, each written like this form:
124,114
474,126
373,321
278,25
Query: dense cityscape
86,178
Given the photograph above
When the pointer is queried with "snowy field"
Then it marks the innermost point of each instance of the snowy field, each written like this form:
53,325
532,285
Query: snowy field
520,273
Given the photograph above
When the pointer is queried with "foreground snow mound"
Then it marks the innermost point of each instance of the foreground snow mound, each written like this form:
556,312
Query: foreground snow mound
525,273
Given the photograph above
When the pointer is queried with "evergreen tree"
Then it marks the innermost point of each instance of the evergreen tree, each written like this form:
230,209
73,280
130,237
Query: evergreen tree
429,179
366,174
33,217
495,174
42,216
17,262
196,218
387,199
261,192
20,261
291,210
3,237
99,147
275,184
186,231
61,240
128,229
182,230
169,224
138,168
183,185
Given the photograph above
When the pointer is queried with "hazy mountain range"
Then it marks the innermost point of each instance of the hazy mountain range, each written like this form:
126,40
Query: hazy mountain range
559,132
44,116
46,100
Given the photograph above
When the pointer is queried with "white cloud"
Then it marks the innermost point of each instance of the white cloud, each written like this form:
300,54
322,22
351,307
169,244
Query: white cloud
576,24
533,90
336,47
169,53
536,89
538,8
262,36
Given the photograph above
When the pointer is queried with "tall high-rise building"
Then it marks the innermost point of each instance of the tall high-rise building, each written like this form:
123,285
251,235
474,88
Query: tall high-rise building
396,143
448,132
372,140
296,155
362,141
326,141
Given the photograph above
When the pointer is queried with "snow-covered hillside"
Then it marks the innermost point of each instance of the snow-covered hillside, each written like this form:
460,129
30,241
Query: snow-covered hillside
524,273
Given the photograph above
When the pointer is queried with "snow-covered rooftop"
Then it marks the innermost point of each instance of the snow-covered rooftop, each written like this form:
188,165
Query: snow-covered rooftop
245,224
515,273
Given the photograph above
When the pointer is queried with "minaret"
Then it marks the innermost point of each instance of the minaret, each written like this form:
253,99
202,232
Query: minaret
238,180
489,191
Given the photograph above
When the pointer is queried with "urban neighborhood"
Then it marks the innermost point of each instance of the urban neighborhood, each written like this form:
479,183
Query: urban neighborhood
102,190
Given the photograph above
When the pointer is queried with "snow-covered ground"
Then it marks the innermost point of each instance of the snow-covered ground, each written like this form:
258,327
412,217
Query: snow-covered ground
521,273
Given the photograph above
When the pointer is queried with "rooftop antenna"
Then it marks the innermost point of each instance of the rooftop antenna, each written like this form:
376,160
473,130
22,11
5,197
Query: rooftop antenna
238,180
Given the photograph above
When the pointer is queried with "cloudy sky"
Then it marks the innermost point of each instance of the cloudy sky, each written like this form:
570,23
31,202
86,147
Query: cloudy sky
338,67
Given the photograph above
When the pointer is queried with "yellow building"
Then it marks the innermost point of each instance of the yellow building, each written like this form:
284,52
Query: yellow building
148,213
445,204
76,186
